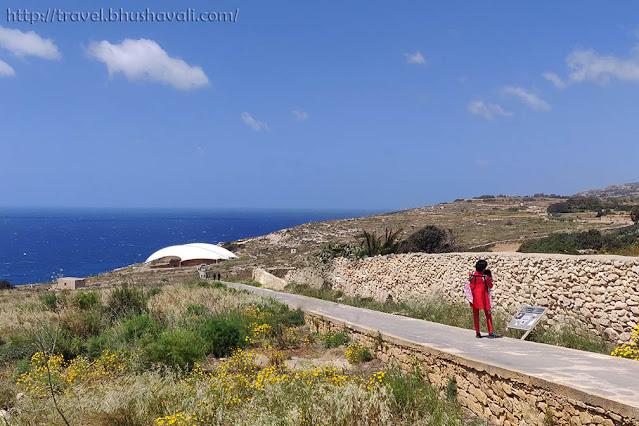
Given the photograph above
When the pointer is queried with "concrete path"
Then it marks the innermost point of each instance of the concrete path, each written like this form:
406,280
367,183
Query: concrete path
599,375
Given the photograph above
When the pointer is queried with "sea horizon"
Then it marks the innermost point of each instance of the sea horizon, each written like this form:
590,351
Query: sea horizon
43,244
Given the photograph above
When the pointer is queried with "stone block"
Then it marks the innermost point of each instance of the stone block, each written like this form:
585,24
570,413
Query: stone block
481,396
507,388
602,421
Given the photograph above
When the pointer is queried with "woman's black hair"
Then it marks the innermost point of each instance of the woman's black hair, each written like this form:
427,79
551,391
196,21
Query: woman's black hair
481,265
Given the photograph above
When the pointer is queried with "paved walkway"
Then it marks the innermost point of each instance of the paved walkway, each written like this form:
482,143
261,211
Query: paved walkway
599,375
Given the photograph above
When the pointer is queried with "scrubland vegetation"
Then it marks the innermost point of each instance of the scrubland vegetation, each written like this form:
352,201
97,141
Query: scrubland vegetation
593,204
193,354
623,241
429,239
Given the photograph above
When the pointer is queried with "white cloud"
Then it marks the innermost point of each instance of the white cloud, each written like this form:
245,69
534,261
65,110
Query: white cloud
28,44
144,59
555,79
529,98
415,58
299,115
253,123
6,70
486,110
591,66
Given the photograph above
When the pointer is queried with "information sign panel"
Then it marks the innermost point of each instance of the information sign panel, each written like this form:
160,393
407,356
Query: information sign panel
527,318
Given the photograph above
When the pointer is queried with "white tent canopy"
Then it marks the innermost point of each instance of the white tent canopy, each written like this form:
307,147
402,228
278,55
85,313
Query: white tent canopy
215,249
192,251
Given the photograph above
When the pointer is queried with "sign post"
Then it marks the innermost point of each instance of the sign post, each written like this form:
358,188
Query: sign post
527,318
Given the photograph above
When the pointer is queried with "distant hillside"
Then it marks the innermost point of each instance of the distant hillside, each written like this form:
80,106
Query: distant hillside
487,222
626,190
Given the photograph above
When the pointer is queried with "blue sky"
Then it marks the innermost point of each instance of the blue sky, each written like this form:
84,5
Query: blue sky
307,105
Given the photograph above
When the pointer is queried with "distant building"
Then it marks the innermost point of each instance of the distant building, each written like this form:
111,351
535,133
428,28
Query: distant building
193,254
69,283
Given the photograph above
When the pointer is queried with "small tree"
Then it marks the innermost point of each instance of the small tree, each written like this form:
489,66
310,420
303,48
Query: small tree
5,285
634,214
429,239
561,207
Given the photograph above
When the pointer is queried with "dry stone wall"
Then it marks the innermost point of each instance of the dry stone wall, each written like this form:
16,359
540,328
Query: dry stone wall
267,279
599,292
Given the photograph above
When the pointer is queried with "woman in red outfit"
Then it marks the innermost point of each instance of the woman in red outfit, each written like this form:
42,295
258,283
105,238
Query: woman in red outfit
480,284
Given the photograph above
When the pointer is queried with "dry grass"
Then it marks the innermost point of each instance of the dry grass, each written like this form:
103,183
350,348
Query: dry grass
117,387
173,301
21,312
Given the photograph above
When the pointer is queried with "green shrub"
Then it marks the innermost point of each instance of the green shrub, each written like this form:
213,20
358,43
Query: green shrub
175,348
634,214
621,241
15,347
287,318
222,336
279,317
70,345
22,366
51,301
279,314
140,325
414,399
86,300
357,353
126,301
109,339
153,292
560,242
333,340
211,284
197,311
409,390
218,284
83,323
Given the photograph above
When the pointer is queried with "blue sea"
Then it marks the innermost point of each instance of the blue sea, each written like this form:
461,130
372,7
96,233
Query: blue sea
41,245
